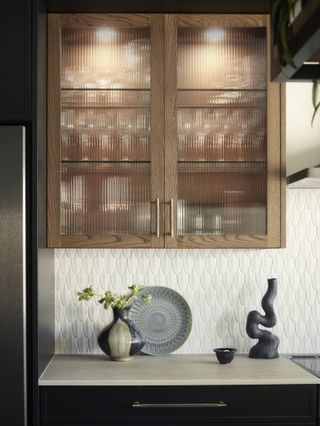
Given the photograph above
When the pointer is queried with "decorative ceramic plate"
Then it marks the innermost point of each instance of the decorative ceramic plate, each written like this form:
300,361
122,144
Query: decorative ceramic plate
165,322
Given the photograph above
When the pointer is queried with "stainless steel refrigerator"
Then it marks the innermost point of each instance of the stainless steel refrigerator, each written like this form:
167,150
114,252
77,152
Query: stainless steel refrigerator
13,276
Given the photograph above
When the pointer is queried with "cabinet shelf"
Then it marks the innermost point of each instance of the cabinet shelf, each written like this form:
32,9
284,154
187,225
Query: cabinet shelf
85,106
122,89
222,162
221,98
104,161
218,106
230,89
104,98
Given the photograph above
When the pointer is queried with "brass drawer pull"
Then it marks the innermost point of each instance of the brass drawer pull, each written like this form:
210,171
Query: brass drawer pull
219,404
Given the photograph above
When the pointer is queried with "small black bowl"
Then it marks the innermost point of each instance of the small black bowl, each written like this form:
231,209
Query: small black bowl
225,355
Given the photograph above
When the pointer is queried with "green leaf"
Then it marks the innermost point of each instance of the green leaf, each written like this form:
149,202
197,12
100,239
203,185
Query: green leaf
315,92
283,30
315,113
292,7
275,7
275,16
315,99
109,299
281,12
85,294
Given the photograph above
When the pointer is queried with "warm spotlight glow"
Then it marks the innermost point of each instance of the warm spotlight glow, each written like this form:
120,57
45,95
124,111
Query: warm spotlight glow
215,34
106,34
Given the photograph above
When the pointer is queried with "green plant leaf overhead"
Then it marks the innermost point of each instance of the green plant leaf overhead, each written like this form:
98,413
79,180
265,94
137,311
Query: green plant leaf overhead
282,11
315,92
315,99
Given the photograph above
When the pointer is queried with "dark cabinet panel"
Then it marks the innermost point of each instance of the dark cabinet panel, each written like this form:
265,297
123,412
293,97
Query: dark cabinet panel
15,72
155,423
159,6
177,405
196,424
12,276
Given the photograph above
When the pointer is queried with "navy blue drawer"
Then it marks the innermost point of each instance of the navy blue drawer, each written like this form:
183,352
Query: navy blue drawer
62,405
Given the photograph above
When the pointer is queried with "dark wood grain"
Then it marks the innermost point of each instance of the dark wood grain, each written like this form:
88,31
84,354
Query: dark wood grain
115,20
157,125
274,157
230,20
171,155
219,241
111,241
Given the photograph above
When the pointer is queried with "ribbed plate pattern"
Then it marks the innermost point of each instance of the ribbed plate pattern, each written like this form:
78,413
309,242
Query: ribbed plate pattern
165,322
220,286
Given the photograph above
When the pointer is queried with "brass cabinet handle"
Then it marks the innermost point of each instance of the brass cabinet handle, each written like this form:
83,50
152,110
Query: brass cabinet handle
158,217
219,404
171,218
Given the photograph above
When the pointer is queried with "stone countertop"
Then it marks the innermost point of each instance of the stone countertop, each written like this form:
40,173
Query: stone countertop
172,370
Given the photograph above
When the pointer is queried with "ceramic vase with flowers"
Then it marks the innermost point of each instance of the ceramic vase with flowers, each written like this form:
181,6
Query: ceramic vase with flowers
120,339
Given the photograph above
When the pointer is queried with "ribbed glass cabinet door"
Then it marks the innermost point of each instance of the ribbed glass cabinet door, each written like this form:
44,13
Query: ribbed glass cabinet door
108,185
163,131
219,134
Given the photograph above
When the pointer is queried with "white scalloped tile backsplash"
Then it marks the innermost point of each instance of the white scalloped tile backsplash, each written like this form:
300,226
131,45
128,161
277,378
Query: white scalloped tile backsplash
221,286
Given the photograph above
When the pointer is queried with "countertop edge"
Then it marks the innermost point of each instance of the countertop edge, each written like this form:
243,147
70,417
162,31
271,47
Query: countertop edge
85,371
311,381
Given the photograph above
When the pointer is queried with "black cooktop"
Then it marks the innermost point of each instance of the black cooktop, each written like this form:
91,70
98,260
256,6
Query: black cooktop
310,363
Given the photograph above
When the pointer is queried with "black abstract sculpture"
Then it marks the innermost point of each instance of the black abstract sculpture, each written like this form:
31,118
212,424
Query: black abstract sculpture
267,346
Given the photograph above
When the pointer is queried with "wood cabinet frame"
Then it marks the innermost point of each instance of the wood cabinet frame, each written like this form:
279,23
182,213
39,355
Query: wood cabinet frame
163,146
275,236
155,22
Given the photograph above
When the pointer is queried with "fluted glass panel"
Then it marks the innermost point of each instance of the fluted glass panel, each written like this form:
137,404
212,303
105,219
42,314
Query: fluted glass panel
105,125
105,131
221,58
221,131
105,57
104,199
220,125
219,198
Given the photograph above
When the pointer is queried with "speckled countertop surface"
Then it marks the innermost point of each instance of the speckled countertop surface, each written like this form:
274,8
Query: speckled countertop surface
175,370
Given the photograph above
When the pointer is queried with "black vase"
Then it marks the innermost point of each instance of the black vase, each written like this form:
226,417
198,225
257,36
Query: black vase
120,340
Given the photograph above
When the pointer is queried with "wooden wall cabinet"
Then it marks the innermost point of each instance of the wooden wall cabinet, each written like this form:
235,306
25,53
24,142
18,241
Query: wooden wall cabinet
163,131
